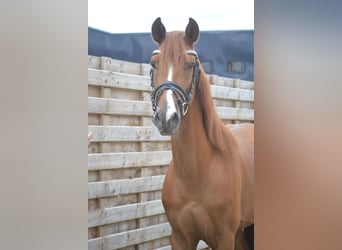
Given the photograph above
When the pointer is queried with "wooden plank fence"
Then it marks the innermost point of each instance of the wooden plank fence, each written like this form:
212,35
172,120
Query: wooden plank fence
128,158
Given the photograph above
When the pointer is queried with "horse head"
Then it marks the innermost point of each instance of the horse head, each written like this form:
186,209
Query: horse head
174,74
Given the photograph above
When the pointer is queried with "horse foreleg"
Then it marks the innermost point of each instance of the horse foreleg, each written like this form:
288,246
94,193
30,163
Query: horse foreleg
227,242
179,242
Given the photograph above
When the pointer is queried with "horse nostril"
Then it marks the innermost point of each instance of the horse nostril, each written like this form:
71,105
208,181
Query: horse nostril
174,119
157,117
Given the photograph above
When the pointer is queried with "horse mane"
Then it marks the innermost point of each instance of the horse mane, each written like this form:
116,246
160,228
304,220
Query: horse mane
218,134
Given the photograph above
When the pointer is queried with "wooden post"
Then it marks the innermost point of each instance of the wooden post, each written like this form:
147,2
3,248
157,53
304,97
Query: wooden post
237,103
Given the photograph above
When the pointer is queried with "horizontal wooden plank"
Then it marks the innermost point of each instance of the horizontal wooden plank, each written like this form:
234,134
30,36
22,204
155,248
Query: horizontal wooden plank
118,80
112,106
142,83
110,64
142,108
126,133
232,93
143,69
230,82
128,160
124,213
130,238
125,186
235,113
164,248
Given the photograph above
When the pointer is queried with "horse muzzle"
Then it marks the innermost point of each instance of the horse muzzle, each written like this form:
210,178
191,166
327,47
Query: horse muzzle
170,104
165,126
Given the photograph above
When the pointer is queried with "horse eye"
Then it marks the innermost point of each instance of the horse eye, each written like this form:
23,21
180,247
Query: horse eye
153,64
189,66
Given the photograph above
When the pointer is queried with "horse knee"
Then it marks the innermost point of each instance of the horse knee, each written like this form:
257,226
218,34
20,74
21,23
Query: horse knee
226,243
178,242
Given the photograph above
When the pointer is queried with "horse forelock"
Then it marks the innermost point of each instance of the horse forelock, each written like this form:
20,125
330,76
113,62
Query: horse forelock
172,51
174,46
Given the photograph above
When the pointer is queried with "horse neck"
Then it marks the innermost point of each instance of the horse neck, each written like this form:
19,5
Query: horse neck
191,148
201,134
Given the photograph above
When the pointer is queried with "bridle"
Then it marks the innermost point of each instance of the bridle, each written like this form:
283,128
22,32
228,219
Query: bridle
183,98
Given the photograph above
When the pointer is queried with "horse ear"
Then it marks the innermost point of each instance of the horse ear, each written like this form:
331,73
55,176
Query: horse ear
158,31
192,31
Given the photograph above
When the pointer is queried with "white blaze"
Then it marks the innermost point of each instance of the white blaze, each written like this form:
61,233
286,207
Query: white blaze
169,75
171,107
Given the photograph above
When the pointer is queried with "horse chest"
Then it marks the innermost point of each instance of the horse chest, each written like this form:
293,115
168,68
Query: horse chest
189,216
199,212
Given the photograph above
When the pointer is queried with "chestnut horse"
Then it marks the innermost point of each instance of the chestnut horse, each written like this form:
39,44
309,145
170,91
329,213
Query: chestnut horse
208,188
